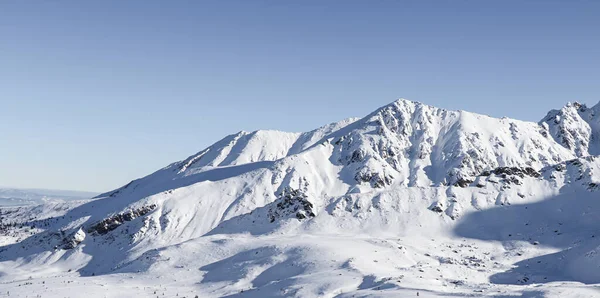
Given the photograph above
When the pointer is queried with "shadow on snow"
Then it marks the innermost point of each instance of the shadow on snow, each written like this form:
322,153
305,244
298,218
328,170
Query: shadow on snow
569,222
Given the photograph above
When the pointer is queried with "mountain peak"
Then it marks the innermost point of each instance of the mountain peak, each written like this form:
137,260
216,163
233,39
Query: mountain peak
403,102
576,127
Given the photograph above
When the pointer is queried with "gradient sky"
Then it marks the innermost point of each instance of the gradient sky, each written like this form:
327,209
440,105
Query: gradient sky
96,93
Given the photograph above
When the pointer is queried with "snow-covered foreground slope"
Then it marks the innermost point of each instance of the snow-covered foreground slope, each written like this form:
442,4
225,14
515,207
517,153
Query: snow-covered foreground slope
409,200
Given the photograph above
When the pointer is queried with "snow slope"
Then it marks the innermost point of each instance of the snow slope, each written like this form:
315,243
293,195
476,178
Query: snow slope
409,199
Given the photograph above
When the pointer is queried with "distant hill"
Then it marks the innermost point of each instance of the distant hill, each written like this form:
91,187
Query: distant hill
20,197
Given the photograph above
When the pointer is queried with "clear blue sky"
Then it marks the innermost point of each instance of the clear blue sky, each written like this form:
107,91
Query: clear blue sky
96,93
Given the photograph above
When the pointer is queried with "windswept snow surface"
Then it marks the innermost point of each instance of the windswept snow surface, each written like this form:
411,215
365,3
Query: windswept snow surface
411,200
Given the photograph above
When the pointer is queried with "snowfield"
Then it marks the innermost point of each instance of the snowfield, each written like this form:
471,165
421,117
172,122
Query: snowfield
409,201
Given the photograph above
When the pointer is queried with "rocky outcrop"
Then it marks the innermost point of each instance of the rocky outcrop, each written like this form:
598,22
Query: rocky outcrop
291,202
115,221
513,171
572,126
73,240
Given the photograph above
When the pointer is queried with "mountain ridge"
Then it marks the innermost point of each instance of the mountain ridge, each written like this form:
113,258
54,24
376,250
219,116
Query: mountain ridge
293,141
409,179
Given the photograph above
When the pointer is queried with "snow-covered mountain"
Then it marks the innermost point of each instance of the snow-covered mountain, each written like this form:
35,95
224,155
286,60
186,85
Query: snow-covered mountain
411,198
576,127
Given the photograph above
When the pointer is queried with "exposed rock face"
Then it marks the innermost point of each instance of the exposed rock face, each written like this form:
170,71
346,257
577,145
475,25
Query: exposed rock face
512,171
576,127
291,202
582,171
508,176
462,182
115,221
374,179
413,144
437,207
74,239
